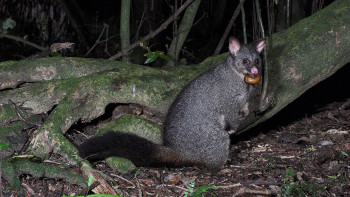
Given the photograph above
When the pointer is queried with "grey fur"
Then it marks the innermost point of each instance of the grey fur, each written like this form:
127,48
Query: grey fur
212,105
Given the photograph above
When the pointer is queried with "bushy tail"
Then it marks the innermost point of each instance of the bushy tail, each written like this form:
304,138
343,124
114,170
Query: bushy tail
140,151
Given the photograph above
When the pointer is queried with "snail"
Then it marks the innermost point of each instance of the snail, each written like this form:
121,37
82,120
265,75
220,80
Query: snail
248,79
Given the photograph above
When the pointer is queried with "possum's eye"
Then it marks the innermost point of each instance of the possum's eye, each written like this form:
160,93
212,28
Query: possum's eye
245,61
257,62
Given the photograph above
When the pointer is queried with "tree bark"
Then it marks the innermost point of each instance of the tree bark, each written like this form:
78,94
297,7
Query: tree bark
125,27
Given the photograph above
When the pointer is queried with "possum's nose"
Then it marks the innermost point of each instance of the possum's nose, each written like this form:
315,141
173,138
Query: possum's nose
254,71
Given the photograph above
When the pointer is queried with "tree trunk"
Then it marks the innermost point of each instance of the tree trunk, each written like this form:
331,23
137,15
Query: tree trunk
125,27
182,32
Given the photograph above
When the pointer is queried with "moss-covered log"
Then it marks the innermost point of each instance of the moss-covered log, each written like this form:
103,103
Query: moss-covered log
12,168
305,54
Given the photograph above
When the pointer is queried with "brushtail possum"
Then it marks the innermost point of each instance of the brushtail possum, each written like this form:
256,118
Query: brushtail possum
198,123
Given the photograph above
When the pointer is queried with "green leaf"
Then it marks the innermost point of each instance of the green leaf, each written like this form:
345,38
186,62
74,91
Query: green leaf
189,190
8,24
161,55
332,177
150,54
344,153
289,176
151,57
90,180
201,190
100,195
4,145
7,190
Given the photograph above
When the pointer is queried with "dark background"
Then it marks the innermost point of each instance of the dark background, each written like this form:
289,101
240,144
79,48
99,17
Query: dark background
45,22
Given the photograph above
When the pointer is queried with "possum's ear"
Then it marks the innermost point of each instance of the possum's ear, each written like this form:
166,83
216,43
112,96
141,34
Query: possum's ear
259,45
234,46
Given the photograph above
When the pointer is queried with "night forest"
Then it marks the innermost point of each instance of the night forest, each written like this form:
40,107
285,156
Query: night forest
74,69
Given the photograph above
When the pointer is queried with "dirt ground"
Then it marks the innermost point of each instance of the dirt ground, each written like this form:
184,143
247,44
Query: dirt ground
302,151
305,157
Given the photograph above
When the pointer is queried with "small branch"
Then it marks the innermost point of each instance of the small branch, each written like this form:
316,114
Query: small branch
53,48
258,182
126,180
138,186
176,38
250,192
227,30
140,25
98,41
106,45
266,68
20,115
19,39
153,33
243,22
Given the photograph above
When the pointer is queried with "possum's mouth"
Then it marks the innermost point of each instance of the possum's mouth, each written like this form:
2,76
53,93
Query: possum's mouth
254,72
252,75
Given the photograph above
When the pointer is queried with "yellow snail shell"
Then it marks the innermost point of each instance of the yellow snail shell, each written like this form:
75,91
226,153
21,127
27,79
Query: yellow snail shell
252,80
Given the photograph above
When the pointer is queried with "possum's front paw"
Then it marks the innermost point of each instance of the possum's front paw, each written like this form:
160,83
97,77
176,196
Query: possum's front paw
230,132
242,115
244,111
267,103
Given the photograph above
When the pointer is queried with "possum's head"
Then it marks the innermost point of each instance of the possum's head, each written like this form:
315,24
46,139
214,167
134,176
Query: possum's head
246,58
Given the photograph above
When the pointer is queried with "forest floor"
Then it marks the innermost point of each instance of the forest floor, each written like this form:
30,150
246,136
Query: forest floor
306,157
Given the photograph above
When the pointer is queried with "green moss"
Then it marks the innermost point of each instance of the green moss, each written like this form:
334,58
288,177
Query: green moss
12,168
120,164
134,124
